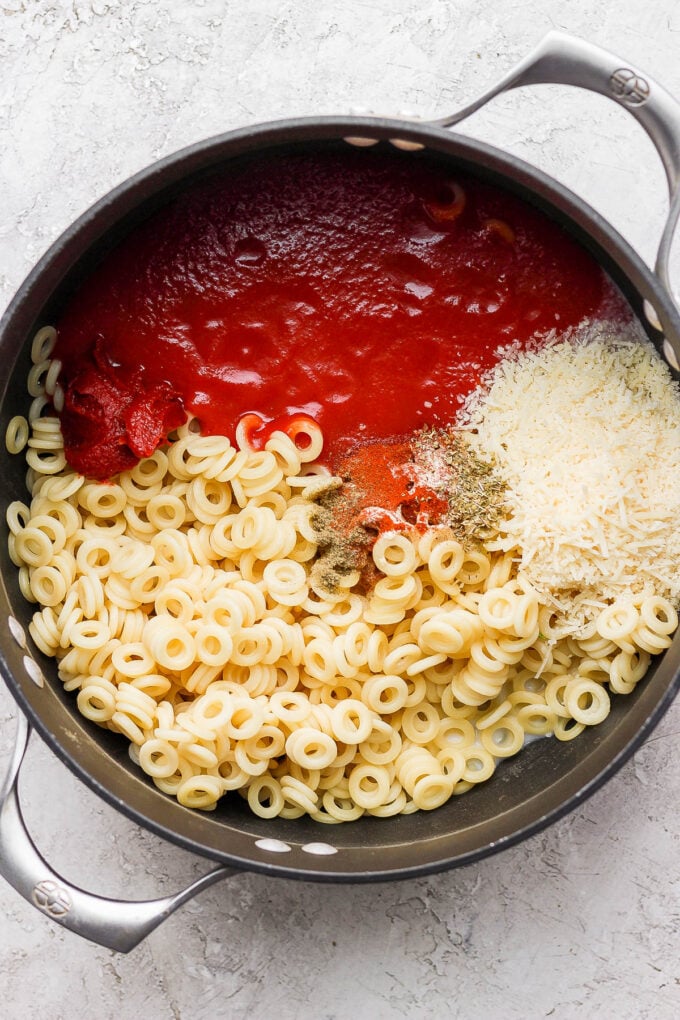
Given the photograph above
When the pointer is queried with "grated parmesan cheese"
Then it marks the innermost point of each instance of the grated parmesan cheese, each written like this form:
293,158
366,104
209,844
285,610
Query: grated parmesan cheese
585,433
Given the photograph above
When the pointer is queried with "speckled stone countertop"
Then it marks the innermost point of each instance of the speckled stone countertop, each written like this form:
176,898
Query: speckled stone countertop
580,921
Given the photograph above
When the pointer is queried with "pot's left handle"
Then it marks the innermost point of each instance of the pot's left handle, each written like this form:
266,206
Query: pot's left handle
115,924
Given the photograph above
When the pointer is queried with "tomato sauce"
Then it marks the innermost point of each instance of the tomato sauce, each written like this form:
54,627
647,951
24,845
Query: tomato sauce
367,289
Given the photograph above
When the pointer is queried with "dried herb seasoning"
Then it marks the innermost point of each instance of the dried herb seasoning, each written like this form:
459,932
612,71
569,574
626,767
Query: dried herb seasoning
431,479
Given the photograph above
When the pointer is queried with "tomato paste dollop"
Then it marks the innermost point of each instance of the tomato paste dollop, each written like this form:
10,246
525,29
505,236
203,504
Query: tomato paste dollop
366,289
109,422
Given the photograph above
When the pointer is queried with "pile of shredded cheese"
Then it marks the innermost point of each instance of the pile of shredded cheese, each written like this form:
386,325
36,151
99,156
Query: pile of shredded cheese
585,432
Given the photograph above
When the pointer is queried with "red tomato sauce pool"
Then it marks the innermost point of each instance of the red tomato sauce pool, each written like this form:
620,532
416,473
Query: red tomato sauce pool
369,289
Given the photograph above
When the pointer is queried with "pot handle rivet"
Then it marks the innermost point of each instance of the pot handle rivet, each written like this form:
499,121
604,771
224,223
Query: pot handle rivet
564,59
116,924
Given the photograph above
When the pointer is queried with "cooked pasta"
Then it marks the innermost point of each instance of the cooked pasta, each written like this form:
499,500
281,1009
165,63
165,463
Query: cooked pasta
181,603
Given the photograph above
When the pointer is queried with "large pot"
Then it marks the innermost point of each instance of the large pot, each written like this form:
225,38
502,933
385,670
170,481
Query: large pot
547,779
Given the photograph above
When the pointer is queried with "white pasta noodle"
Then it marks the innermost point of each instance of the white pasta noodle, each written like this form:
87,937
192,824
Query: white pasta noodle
183,606
17,434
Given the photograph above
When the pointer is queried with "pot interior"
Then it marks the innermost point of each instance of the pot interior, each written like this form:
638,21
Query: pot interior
526,792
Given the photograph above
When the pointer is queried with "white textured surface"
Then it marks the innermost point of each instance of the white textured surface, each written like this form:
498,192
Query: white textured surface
580,921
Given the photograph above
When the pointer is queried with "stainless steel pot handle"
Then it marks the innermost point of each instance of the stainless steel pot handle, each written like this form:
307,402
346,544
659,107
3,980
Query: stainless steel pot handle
116,924
563,59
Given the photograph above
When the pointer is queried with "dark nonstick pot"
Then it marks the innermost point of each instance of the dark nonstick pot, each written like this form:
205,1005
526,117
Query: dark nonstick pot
541,784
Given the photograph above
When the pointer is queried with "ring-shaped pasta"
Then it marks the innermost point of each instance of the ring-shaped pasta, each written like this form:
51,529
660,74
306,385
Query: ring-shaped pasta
261,473
200,755
420,723
48,585
525,623
658,615
586,701
319,660
617,621
431,792
132,659
311,748
33,547
102,500
626,670
494,715
382,746
342,809
213,645
36,377
369,785
431,595
475,568
566,729
252,526
497,608
265,796
166,510
385,694
285,577
395,804
394,554
249,646
246,719
537,720
351,721
481,654
17,434
426,663
649,640
146,586
200,792
208,499
286,452
37,408
169,643
479,765
414,763
149,471
130,559
289,707
299,794
121,722
451,632
89,634
200,677
95,555
158,758
97,700
61,488
171,551
355,643
454,733
347,613
46,462
268,743
43,344
307,438
17,516
445,562
504,738
153,684
554,695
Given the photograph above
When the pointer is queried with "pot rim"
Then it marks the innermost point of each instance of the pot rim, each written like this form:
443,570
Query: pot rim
156,180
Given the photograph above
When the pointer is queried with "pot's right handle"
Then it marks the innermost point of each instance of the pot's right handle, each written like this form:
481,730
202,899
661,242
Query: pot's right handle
564,59
116,924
